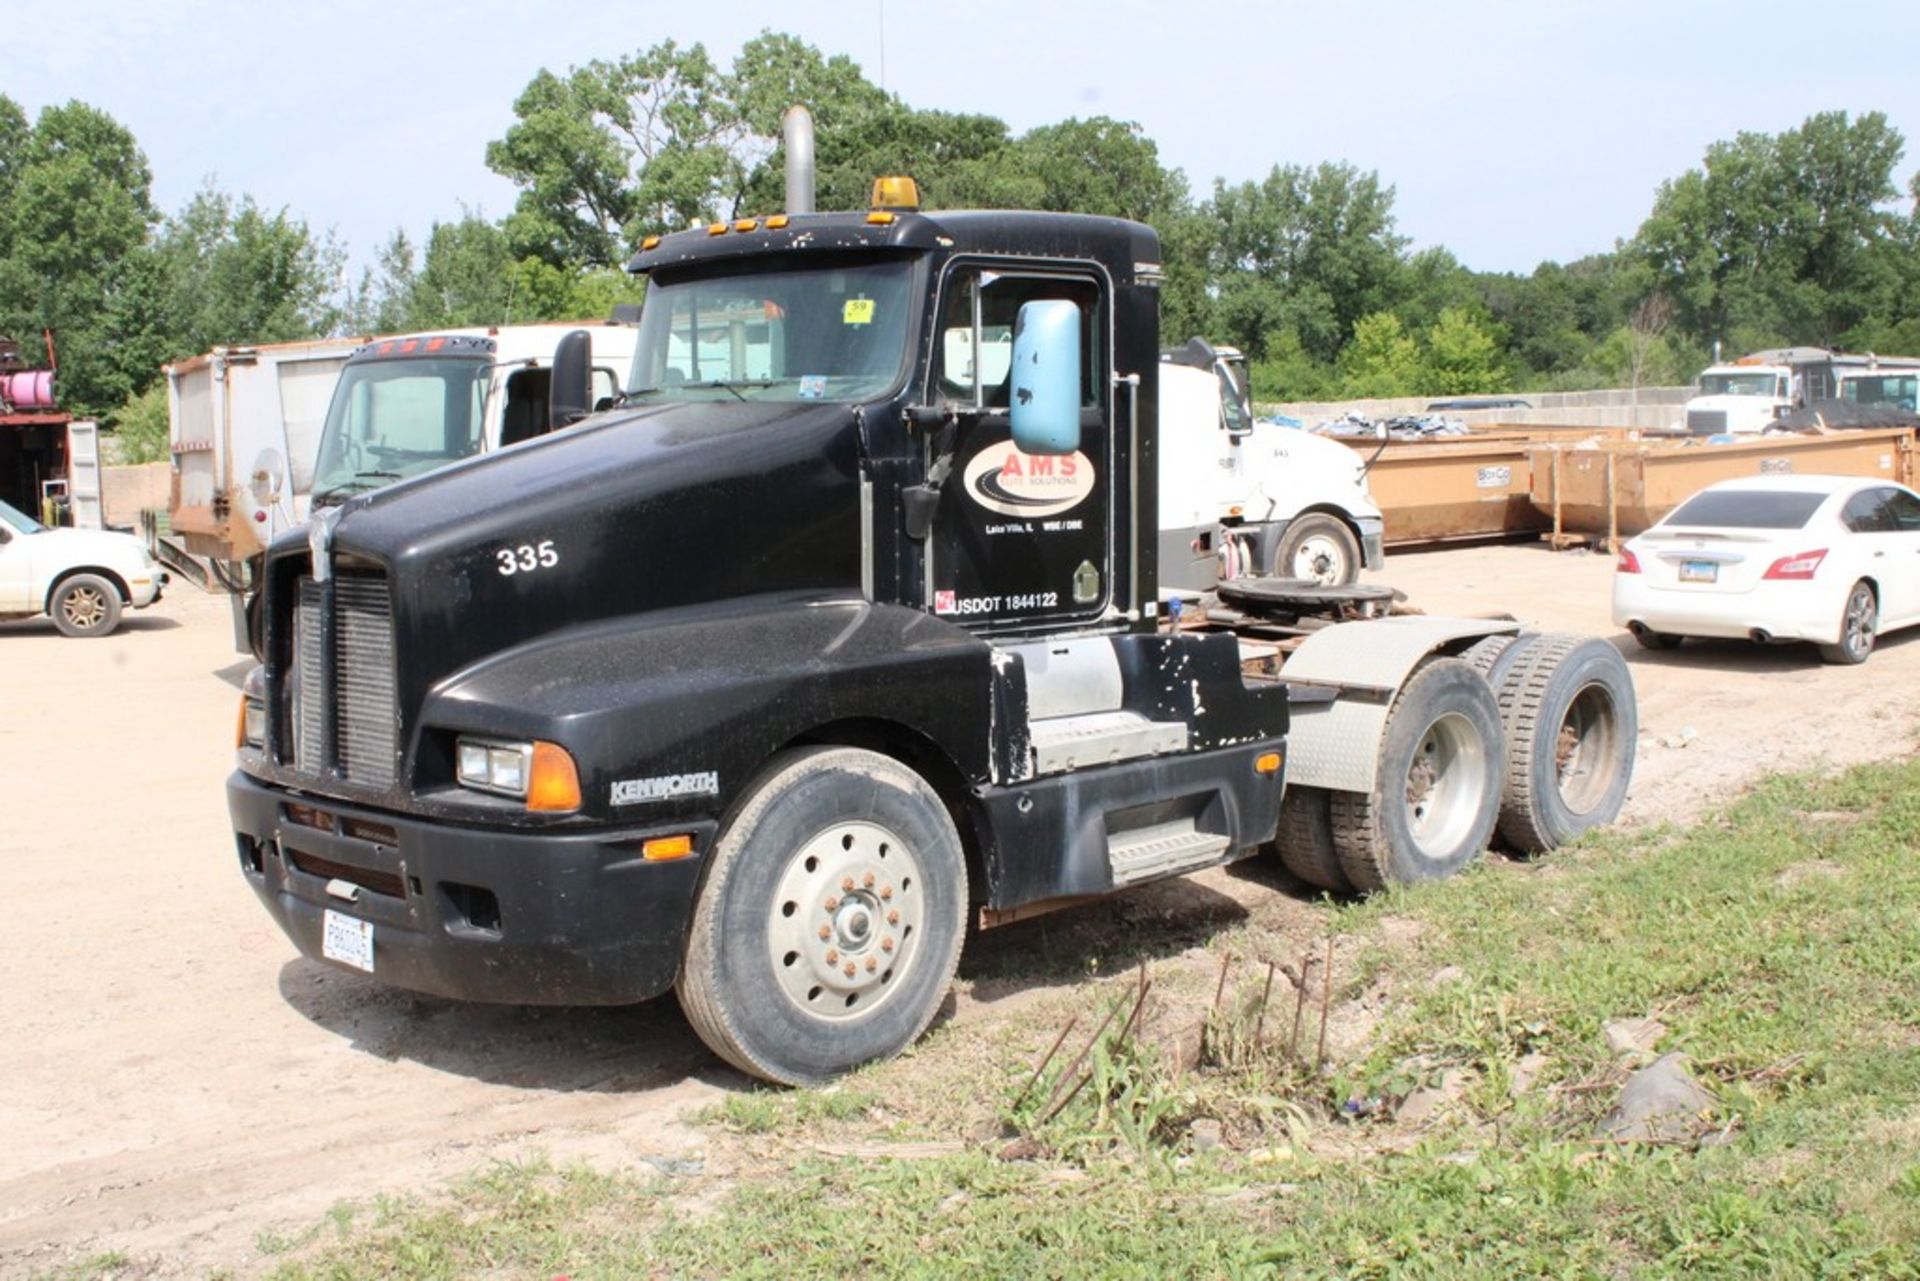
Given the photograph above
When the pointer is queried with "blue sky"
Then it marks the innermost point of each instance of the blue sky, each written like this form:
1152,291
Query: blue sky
1512,132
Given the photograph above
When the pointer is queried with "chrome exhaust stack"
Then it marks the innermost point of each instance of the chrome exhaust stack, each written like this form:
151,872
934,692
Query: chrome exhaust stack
796,130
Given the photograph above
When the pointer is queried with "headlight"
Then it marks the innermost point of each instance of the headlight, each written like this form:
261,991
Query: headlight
541,774
252,729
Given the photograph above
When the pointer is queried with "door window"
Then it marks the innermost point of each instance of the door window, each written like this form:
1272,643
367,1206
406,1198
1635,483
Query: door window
976,334
1869,512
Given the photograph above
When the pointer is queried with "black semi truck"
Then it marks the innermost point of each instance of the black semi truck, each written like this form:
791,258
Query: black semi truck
832,637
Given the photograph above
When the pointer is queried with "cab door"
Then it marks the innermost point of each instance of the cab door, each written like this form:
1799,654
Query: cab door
1019,541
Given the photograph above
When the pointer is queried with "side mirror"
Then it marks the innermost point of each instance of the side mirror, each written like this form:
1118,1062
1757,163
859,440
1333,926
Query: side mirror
570,390
1046,377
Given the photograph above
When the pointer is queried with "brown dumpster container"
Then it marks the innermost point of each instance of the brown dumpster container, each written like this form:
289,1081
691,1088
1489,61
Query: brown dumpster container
1621,488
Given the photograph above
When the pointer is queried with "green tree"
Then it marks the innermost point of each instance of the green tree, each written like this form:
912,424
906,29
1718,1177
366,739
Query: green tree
1307,250
75,207
1382,361
1777,237
235,273
1462,358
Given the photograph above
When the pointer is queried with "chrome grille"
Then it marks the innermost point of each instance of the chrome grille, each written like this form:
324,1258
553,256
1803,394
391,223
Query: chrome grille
309,691
363,683
359,700
1706,422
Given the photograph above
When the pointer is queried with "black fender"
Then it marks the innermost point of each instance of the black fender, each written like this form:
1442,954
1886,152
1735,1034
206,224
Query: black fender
674,713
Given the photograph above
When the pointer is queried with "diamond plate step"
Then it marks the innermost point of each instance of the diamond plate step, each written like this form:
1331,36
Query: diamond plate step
1165,847
1063,743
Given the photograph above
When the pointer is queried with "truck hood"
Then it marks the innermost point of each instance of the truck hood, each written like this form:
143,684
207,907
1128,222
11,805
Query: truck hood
1299,469
668,505
56,549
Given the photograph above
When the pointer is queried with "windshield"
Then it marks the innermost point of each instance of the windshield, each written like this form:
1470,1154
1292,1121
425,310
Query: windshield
19,520
814,333
1889,389
1747,509
1740,385
396,418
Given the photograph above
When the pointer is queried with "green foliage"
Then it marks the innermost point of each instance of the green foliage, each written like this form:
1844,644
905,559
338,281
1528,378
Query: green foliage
1382,361
1288,373
234,274
140,427
1779,235
1462,357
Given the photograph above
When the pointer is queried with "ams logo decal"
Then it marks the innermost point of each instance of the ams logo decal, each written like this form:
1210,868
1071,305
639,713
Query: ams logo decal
1002,479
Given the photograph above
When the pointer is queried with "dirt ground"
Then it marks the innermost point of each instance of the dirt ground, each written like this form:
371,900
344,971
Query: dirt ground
178,1082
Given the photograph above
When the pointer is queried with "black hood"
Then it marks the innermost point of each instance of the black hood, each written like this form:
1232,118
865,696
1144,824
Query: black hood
669,505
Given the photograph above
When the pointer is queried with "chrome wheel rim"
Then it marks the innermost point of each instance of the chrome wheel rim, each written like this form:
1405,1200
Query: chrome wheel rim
1321,559
1445,786
1585,749
1857,631
84,607
845,924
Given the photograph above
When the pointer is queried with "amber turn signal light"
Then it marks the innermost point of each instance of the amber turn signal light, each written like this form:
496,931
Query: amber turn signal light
1267,763
553,784
660,849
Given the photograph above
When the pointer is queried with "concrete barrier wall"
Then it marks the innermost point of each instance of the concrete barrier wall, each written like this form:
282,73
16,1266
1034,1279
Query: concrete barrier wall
1647,407
125,490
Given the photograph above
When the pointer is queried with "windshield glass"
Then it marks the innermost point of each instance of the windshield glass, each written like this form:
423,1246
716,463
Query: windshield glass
396,418
812,333
1888,389
1740,384
1747,509
19,520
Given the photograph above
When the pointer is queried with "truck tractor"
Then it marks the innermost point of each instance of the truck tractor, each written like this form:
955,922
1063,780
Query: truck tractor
829,640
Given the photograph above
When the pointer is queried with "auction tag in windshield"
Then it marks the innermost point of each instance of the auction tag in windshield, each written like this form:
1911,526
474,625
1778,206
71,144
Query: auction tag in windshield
813,386
857,311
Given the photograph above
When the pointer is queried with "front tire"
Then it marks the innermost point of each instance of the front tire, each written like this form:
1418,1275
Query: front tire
829,926
1438,789
1320,548
85,605
1859,624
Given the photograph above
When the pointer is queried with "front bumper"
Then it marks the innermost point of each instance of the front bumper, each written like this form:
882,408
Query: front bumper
146,589
473,914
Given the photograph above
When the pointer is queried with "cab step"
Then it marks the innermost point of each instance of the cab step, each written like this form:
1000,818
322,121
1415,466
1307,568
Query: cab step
1148,852
1064,743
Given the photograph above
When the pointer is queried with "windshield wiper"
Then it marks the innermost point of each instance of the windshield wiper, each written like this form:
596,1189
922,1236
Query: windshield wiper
360,483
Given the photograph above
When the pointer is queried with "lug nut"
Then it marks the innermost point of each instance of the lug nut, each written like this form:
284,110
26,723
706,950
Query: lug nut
849,969
872,965
846,883
886,945
867,880
893,918
833,957
831,903
825,933
886,891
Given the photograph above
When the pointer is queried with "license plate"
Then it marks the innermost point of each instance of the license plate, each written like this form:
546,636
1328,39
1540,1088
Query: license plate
1699,571
348,941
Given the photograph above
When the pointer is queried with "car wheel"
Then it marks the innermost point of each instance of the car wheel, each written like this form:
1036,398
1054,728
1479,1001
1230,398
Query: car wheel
829,925
1305,839
1571,725
1318,547
1438,793
85,605
1859,623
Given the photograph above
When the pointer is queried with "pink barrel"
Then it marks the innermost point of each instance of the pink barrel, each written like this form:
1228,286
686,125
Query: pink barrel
31,390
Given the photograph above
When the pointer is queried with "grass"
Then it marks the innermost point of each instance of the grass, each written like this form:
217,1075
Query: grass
1776,943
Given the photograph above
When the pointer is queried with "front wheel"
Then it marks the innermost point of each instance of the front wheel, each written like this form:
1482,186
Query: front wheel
1320,548
828,929
86,605
1859,623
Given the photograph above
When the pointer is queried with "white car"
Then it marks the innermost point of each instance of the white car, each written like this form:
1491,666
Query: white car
1830,559
83,577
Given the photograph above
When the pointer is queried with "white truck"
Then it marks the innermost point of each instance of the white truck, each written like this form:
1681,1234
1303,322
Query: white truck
1895,383
1240,497
1746,396
247,424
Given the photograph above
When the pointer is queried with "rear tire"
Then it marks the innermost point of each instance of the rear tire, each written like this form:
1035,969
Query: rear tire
1859,624
1318,547
1571,722
85,605
1438,793
838,860
1305,839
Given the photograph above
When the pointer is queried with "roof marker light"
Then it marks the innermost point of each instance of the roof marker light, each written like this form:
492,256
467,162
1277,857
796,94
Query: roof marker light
777,222
651,242
746,224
